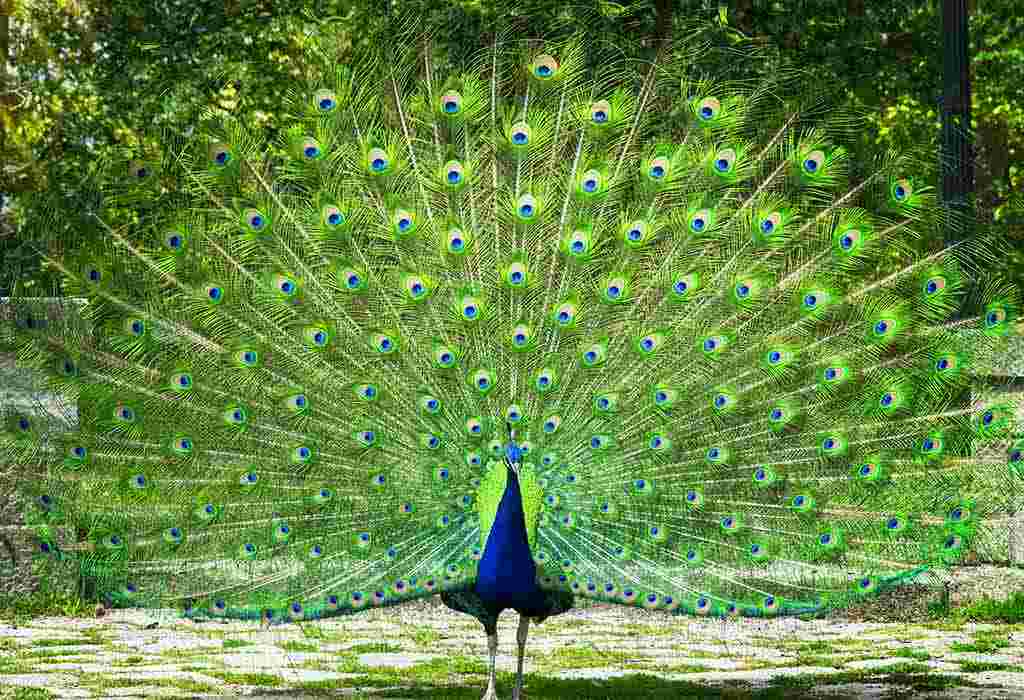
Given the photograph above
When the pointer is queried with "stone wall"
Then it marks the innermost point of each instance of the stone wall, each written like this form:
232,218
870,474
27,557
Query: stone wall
21,390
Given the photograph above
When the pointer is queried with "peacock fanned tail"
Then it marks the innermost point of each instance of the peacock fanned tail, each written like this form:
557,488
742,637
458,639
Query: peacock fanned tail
739,387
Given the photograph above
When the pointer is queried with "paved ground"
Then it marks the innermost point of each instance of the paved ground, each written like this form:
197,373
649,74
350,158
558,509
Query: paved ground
423,650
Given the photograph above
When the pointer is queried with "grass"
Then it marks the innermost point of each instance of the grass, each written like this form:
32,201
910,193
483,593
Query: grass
102,682
27,694
374,648
981,666
983,643
908,653
20,609
425,636
292,645
65,642
1010,611
237,643
580,656
911,675
261,679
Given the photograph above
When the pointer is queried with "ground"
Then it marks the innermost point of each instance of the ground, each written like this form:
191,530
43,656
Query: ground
424,650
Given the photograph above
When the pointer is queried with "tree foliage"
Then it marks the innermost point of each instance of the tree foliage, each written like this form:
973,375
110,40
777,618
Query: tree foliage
87,80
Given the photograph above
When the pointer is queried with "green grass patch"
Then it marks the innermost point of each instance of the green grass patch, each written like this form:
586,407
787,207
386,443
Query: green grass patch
577,656
678,668
424,636
910,653
351,664
237,643
45,653
645,631
259,679
702,653
983,643
980,666
21,693
911,675
299,646
101,682
816,647
43,603
374,648
1009,611
821,661
64,642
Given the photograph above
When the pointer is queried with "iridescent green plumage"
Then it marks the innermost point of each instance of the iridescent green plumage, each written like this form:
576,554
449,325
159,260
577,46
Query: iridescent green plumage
737,373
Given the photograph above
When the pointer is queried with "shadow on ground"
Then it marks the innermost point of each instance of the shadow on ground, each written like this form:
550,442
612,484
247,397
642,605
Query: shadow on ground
648,687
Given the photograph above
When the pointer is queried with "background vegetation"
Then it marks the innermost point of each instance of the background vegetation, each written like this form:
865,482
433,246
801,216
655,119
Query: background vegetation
85,78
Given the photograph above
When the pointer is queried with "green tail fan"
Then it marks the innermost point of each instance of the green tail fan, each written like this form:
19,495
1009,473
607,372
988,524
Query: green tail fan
547,324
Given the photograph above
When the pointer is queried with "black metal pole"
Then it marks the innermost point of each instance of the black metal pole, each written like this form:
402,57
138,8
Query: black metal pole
957,158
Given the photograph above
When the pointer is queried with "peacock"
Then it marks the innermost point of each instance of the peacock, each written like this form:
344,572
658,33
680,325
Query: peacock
545,324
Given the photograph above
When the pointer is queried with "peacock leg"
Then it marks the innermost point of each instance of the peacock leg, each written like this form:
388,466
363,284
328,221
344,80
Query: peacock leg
524,628
492,647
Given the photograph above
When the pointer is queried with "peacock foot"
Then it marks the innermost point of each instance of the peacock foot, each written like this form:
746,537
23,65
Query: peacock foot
491,694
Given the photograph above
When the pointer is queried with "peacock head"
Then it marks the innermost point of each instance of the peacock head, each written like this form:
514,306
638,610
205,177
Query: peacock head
513,453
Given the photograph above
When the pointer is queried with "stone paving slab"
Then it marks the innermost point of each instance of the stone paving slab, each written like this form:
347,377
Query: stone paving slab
596,644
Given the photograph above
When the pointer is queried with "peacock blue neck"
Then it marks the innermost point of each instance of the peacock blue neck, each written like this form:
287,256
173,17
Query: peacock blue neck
507,576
